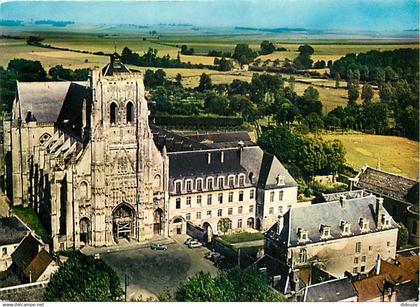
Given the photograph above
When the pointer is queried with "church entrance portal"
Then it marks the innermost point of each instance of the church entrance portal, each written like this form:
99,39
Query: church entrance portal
157,221
85,230
123,221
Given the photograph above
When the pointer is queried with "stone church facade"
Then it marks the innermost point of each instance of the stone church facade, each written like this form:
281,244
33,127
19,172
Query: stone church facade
84,157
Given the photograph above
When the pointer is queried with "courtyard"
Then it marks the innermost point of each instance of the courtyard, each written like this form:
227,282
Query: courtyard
150,272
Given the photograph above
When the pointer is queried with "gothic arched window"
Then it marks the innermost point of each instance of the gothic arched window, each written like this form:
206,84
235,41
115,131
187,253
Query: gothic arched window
129,112
113,113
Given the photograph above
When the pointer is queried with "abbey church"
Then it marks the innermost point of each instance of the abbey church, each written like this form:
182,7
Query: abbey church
84,156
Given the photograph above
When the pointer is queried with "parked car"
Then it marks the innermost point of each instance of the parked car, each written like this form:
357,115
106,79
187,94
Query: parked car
195,244
189,240
158,246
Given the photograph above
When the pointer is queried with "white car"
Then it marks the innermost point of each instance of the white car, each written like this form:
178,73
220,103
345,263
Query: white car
194,244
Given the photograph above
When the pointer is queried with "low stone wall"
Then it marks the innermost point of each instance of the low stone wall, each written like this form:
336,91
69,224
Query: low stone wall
32,292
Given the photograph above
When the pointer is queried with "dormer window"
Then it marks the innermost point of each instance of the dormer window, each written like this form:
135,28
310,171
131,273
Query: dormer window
221,182
385,221
189,185
241,180
209,183
364,224
199,184
178,187
280,180
345,228
302,235
325,231
231,181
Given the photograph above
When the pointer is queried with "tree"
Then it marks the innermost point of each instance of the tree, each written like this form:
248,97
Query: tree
178,80
309,102
337,80
223,64
59,73
367,92
27,70
306,50
267,47
402,235
313,121
235,285
353,92
83,278
286,112
303,60
225,224
242,105
216,104
243,54
205,83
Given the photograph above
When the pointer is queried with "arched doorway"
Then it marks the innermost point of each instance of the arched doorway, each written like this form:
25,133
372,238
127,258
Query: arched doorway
85,230
178,223
250,222
208,232
157,221
123,221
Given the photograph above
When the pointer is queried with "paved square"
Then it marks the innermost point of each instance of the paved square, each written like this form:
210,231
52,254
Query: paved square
150,272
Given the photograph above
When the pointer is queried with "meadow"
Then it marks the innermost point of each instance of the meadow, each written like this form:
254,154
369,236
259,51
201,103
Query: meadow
397,155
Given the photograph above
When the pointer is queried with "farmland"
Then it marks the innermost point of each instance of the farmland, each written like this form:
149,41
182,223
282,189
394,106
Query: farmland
395,154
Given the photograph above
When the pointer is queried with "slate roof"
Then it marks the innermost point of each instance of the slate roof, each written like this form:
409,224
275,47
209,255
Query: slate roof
334,290
174,142
26,251
38,265
44,100
222,140
384,184
12,230
115,66
310,218
252,161
347,194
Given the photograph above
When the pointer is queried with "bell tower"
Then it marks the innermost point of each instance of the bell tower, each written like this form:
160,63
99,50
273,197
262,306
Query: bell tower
124,158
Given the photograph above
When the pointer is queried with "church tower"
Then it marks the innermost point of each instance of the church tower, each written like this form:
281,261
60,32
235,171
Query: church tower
127,170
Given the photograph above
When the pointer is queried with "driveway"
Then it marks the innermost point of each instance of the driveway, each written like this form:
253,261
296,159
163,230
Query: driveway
151,272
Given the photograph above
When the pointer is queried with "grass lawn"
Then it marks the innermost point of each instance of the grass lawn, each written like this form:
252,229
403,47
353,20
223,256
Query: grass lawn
29,217
242,237
397,155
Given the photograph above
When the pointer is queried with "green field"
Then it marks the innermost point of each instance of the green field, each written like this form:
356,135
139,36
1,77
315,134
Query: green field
106,39
397,155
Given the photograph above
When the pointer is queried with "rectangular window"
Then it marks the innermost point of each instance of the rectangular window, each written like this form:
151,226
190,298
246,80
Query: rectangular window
251,209
219,212
220,198
4,251
188,216
198,199
198,215
239,223
241,195
271,196
241,180
280,195
230,211
221,183
189,201
355,270
362,269
209,183
199,184
178,203
209,213
189,186
209,201
178,187
388,244
358,247
363,259
240,210
251,194
230,198
231,181
271,210
356,260
280,209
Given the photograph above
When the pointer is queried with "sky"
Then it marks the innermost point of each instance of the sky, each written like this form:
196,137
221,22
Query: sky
358,15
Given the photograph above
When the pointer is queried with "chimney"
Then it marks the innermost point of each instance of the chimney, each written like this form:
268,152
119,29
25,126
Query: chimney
342,200
379,210
378,265
208,158
279,224
222,157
